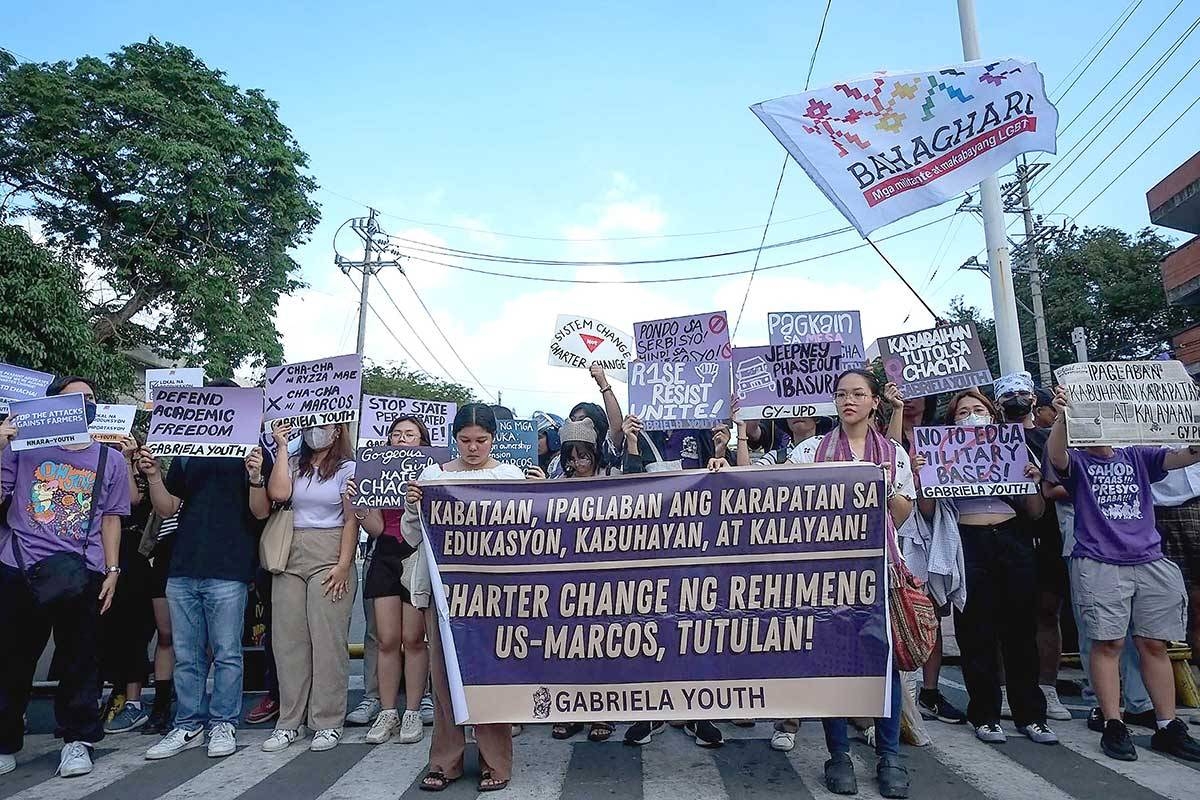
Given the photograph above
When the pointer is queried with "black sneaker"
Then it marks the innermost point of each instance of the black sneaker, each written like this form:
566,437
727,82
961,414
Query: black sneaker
839,774
1095,721
934,706
1116,741
641,733
1174,740
1144,719
705,733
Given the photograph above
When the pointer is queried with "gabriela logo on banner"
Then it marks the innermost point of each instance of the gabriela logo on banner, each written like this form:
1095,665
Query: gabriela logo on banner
895,144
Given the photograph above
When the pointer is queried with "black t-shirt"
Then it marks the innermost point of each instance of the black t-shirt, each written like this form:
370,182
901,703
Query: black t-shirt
217,537
1045,528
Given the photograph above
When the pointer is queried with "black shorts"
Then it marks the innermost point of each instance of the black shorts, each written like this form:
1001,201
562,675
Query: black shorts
387,567
160,564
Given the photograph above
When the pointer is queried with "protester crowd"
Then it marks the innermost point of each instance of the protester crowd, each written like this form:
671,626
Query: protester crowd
109,550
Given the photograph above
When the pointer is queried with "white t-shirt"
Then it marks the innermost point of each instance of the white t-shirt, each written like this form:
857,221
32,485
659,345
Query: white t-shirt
500,472
316,503
902,481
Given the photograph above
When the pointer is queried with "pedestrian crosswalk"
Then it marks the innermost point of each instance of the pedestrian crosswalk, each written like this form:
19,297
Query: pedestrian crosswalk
954,766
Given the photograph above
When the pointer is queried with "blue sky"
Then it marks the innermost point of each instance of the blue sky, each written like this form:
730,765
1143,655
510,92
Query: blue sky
584,121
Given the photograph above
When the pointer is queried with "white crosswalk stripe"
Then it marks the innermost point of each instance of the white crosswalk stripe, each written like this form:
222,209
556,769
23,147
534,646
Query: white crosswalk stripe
539,766
111,767
391,764
808,759
673,767
982,766
233,776
1161,775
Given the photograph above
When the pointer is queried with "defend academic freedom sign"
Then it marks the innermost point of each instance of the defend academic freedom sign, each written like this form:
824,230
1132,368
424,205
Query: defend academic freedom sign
745,593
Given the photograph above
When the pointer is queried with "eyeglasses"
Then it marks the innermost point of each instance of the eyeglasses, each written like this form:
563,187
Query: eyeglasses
857,395
580,460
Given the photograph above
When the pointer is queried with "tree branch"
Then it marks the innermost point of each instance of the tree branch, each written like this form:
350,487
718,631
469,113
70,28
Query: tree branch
108,325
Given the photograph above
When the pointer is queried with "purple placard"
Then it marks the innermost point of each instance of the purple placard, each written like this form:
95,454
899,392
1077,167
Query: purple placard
668,395
49,422
786,380
698,337
973,461
312,393
596,599
948,358
19,383
796,327
205,422
378,413
383,473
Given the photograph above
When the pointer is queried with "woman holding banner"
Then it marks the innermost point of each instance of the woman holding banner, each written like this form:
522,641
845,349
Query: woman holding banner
474,429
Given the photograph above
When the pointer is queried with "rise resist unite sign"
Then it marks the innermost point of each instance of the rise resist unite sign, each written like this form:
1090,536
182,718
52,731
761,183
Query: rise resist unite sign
669,395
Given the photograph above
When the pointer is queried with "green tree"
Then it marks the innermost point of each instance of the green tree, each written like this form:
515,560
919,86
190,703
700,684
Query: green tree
182,193
397,380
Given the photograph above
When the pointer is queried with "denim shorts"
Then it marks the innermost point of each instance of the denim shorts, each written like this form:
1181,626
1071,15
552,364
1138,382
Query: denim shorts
1112,598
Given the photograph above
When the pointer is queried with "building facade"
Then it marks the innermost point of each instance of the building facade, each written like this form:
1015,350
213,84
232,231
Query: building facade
1175,203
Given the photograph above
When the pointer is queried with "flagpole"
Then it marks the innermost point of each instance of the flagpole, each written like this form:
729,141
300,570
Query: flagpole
1004,299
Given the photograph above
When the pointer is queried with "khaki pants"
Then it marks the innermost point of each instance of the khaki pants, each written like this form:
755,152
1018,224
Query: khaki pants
309,633
450,740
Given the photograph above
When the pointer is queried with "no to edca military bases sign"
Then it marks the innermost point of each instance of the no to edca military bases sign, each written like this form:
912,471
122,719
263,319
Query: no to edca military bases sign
205,422
1122,403
973,461
314,393
583,342
786,380
746,593
944,359
800,327
379,412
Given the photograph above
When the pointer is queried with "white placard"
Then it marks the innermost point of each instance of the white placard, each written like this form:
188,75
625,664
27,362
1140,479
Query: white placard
1130,402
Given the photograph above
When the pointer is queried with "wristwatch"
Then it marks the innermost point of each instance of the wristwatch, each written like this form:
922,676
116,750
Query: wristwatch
112,570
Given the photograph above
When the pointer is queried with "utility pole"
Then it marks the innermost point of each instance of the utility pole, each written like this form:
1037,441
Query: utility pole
1004,299
1035,278
1079,339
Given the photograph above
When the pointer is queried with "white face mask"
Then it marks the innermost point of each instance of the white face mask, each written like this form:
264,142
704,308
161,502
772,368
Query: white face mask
975,420
318,438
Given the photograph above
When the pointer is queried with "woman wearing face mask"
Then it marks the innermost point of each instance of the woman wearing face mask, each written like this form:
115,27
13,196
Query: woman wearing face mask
1000,610
312,598
474,429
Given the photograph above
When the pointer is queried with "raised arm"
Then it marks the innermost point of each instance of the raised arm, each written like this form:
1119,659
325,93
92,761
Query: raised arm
279,487
612,406
1056,445
165,504
895,398
1181,457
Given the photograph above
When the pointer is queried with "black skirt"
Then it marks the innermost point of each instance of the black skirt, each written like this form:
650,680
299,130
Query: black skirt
387,567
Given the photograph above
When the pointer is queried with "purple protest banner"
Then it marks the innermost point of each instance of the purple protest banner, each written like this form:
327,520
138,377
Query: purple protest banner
786,380
691,595
383,473
943,359
698,337
313,393
973,461
49,422
205,422
668,395
18,383
798,327
378,413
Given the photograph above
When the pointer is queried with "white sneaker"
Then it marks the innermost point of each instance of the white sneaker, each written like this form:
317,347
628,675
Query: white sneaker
175,743
427,710
365,712
1039,732
517,730
1005,708
325,740
385,725
411,729
1054,707
7,763
280,739
76,760
222,741
991,733
783,741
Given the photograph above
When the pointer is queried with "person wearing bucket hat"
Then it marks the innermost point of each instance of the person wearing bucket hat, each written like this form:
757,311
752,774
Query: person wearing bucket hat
549,442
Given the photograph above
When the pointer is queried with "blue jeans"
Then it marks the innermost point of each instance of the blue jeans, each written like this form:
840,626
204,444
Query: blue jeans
887,730
207,613
1133,689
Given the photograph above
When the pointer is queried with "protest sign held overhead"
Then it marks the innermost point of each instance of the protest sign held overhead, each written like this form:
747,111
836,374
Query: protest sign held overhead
206,422
170,378
583,342
1122,403
112,423
313,393
786,380
697,337
797,327
49,422
18,383
667,395
894,144
383,473
379,412
943,359
973,461
515,442
745,593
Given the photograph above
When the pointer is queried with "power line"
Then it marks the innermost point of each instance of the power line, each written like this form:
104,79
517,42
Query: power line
388,328
413,328
442,333
1096,43
1098,52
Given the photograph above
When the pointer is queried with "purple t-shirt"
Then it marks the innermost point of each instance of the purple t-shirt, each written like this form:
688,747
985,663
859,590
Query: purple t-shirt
1114,509
52,491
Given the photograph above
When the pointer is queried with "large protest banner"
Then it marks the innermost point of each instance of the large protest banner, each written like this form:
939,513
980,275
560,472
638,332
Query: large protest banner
515,442
697,337
582,342
1130,402
378,413
113,422
205,422
313,393
896,143
786,380
973,461
943,359
18,383
49,422
172,378
746,593
383,473
668,395
799,327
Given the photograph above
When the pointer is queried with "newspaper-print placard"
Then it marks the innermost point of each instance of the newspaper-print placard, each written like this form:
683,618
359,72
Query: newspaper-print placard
49,422
112,423
1130,402
515,442
697,337
19,383
205,422
171,378
973,461
669,395
583,342
379,412
383,473
309,394
943,359
797,327
781,381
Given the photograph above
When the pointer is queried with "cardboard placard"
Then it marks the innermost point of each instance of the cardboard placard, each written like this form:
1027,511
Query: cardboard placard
18,383
379,411
948,358
205,422
174,377
696,337
1122,403
798,327
973,461
582,342
112,423
49,422
309,394
668,395
383,473
786,380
